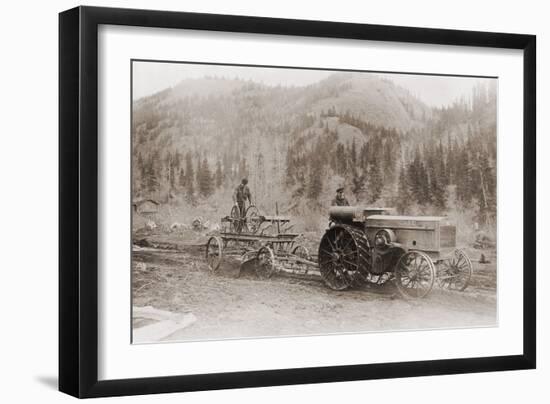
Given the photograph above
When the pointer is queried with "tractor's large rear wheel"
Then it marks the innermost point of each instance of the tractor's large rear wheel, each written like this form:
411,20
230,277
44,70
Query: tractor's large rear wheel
343,255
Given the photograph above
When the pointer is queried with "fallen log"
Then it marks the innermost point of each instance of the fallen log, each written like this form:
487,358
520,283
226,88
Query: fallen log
166,323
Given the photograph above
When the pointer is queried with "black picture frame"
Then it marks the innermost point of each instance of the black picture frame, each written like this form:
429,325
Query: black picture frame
78,200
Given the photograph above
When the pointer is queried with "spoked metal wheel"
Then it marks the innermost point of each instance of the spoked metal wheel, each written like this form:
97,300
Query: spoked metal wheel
265,263
414,274
301,252
343,254
214,252
252,219
455,272
236,220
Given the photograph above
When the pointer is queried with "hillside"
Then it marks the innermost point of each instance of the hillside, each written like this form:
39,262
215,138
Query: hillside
208,115
376,100
296,144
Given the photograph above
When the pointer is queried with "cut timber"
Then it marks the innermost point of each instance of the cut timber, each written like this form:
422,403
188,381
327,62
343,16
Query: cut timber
162,329
151,313
166,323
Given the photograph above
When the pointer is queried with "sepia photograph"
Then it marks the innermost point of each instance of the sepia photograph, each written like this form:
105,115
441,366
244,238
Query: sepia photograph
289,201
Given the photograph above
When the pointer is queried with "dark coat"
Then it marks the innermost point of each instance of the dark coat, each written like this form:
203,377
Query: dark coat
340,201
242,193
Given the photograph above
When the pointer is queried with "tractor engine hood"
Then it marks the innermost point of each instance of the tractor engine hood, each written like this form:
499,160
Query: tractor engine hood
354,213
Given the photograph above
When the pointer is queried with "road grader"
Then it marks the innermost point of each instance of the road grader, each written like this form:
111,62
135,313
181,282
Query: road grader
366,245
267,241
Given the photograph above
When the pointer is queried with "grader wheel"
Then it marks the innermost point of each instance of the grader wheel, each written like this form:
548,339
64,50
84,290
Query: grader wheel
455,272
265,263
301,252
343,256
236,220
214,252
414,274
252,219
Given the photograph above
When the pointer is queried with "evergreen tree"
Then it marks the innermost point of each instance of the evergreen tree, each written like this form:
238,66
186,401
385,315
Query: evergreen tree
141,169
363,157
227,174
219,174
181,179
358,182
353,154
243,168
403,191
290,170
441,166
152,182
438,193
389,161
375,182
425,197
166,167
172,170
315,186
463,178
483,178
198,173
189,179
190,193
177,161
189,172
205,182
414,178
341,164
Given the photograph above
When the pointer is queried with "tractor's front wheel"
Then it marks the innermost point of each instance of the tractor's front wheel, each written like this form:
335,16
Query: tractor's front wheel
414,275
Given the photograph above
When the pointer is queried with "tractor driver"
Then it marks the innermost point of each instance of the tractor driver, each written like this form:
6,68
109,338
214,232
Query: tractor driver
340,199
241,195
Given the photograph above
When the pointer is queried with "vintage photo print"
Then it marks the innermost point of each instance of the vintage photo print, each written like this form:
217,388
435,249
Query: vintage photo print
286,201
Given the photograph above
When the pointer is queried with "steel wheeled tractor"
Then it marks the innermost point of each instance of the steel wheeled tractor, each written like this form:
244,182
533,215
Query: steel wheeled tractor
365,245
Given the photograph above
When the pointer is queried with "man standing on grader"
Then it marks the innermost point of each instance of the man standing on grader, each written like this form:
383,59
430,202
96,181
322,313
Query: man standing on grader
241,195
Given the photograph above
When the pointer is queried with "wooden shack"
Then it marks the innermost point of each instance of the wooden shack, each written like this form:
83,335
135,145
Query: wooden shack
146,207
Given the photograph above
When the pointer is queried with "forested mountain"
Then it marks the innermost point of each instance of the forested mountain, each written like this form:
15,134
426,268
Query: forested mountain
195,141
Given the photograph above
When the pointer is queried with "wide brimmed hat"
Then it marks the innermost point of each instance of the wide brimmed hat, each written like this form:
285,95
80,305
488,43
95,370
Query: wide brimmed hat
341,189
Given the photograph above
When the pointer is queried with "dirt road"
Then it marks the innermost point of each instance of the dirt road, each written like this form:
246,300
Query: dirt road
227,306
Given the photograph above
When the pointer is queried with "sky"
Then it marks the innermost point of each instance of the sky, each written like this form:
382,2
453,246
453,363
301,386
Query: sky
435,91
